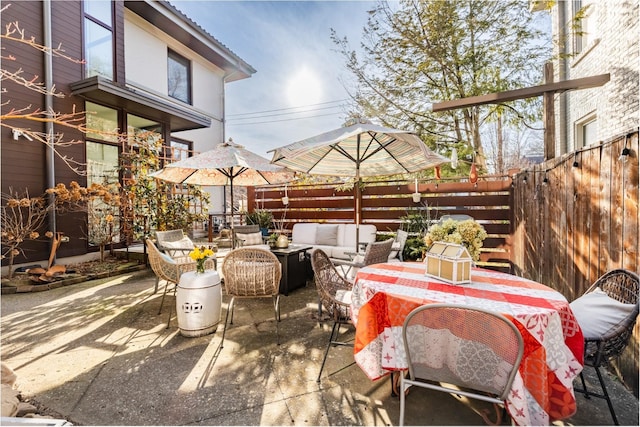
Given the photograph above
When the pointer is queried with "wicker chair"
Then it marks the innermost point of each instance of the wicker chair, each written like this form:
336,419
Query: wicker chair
442,342
605,341
376,253
252,273
173,243
335,295
170,270
243,229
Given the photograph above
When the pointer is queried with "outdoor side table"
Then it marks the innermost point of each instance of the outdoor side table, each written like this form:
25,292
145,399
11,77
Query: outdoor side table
294,262
199,303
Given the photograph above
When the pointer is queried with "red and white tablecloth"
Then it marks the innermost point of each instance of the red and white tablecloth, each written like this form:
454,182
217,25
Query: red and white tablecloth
384,294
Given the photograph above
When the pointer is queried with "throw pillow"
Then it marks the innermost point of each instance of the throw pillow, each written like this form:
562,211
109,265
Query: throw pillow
327,235
598,314
250,238
184,243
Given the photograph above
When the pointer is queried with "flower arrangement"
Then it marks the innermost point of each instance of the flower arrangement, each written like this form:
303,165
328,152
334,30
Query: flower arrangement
468,233
200,255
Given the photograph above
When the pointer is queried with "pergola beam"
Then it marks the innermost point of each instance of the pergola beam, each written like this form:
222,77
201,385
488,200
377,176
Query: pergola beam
528,92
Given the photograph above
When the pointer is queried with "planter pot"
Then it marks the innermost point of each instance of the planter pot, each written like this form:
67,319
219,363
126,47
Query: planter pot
199,303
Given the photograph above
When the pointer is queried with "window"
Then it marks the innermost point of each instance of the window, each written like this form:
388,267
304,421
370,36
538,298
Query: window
179,77
587,132
98,39
581,25
180,150
102,168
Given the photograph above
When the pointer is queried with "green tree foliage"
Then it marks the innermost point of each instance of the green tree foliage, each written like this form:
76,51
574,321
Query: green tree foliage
417,52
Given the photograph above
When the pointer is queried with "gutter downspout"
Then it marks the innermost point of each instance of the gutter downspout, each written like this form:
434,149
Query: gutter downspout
48,101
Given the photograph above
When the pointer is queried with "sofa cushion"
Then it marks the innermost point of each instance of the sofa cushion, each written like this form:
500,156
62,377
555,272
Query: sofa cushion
304,233
250,238
327,234
348,235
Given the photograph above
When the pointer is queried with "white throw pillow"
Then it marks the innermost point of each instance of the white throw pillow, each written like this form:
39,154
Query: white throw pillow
167,258
250,238
327,235
184,243
598,314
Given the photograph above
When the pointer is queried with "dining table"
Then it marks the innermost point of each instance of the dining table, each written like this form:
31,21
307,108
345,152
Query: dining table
384,294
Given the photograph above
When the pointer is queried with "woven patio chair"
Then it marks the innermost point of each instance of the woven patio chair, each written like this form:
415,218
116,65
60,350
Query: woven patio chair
173,243
376,253
170,269
442,342
607,314
334,292
252,273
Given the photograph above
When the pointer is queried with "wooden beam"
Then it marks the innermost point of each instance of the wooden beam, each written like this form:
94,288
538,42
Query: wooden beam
528,92
548,113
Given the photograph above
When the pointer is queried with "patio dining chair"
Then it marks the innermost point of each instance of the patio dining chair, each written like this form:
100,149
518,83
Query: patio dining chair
607,314
442,343
173,243
398,246
251,273
170,269
376,253
334,292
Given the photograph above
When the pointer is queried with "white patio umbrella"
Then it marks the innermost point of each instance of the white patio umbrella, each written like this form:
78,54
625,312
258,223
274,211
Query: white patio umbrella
227,164
358,150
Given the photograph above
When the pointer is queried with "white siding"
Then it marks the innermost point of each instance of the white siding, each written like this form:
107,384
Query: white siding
146,66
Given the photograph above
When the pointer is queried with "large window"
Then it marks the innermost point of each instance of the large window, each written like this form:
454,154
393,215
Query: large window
179,77
103,219
98,39
180,149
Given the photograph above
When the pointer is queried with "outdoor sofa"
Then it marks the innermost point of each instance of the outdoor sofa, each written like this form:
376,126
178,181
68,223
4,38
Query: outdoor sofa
336,240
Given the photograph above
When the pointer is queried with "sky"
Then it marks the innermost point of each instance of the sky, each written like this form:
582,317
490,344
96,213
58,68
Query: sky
298,89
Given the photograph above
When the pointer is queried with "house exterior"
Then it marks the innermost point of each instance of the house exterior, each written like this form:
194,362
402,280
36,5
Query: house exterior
606,40
145,67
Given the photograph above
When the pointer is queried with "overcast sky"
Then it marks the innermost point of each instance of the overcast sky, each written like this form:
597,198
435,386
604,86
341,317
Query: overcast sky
297,90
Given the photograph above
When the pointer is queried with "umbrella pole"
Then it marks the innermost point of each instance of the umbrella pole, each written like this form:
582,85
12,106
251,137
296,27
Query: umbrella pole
233,236
358,210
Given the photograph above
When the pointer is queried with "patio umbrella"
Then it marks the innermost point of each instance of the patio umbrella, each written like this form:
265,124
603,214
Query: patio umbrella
227,164
358,150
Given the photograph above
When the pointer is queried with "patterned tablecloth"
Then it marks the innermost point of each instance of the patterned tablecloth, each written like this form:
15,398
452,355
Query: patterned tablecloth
384,294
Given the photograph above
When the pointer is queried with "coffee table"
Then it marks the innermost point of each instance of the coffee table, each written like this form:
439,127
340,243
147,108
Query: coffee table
295,266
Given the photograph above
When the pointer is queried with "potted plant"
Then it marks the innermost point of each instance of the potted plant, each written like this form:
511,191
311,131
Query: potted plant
468,233
261,218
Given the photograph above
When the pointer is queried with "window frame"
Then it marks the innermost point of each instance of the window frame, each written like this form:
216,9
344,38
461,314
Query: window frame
174,56
87,18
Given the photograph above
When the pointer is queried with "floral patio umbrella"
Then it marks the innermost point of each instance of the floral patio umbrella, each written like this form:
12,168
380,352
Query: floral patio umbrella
227,164
357,150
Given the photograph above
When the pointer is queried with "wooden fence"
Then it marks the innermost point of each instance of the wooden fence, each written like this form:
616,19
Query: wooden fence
385,203
576,218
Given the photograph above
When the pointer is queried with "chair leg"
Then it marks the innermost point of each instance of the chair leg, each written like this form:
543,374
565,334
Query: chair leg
155,288
326,351
402,400
604,395
163,295
276,308
171,308
226,319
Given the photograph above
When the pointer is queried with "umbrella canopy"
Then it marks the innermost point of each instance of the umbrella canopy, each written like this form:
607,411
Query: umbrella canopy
362,149
227,164
357,150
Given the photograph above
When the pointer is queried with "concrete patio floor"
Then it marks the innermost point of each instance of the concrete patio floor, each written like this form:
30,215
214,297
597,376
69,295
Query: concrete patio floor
99,354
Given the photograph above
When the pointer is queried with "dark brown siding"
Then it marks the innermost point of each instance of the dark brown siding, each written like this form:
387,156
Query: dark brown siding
23,161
